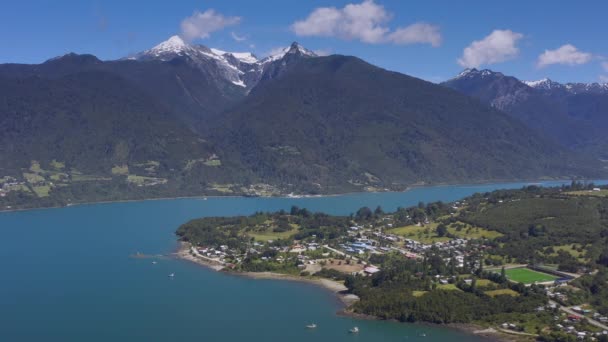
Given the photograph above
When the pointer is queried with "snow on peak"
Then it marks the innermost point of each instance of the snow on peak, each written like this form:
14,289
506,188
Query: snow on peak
294,48
245,57
544,83
173,44
472,72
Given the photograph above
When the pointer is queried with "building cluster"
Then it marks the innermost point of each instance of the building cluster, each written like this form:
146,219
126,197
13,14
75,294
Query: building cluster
8,184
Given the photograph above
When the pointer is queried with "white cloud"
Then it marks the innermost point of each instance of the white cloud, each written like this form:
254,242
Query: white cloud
498,46
322,52
366,22
605,66
417,33
566,54
237,38
604,78
201,25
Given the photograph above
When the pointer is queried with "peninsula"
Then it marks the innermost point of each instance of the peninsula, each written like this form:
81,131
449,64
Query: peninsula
528,262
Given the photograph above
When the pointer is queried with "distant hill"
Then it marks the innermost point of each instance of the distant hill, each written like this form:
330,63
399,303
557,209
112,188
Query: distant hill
338,120
574,114
184,119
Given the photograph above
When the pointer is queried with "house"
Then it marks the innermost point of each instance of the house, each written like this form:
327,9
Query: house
371,270
597,189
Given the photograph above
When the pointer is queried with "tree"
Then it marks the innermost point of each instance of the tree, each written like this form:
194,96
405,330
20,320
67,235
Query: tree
441,230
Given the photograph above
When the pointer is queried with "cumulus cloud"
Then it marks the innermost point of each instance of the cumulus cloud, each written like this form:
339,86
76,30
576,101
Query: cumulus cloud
201,24
366,22
322,52
566,54
498,46
237,38
417,33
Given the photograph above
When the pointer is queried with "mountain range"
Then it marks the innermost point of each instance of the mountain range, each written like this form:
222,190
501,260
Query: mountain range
573,114
185,119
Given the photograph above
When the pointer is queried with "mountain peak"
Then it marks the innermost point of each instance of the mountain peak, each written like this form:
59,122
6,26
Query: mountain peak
74,57
295,47
473,72
544,83
175,44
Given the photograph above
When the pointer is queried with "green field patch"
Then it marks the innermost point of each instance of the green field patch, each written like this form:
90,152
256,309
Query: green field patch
79,177
223,188
35,167
42,191
33,178
213,162
484,282
578,252
150,166
601,193
145,181
470,232
57,165
448,287
502,292
419,293
425,234
59,176
270,235
428,233
528,276
120,170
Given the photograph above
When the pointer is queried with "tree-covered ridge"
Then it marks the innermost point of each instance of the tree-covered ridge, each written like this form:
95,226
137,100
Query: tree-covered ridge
141,129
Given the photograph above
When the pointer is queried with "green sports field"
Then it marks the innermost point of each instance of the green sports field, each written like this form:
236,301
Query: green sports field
528,276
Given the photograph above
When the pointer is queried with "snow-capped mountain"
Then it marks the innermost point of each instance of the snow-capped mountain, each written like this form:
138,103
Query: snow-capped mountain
473,73
243,69
573,114
574,88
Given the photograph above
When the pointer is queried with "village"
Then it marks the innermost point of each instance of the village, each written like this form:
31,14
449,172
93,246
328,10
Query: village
360,247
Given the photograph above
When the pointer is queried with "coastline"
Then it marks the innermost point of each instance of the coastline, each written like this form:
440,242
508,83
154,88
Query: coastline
338,289
183,252
298,196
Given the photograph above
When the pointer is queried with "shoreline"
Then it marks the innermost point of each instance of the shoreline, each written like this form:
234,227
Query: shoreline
296,196
183,252
338,289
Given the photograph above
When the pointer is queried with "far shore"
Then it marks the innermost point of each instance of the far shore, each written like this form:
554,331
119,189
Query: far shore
297,196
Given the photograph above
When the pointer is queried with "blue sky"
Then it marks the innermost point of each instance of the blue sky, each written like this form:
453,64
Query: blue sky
426,39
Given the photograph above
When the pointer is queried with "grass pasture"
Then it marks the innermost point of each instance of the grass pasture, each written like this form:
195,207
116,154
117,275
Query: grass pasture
270,235
528,276
502,292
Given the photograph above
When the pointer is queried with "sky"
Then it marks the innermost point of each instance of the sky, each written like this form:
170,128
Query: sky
433,40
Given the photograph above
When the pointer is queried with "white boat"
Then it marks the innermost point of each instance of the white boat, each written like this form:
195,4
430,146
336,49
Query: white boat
171,275
311,326
354,330
153,262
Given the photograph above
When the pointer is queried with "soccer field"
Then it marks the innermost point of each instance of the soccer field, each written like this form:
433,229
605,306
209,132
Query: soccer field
528,276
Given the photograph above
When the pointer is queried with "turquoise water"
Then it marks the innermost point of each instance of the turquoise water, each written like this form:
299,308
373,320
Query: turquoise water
67,276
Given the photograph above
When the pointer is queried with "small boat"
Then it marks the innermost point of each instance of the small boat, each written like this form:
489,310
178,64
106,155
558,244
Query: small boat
311,326
354,330
153,262
171,275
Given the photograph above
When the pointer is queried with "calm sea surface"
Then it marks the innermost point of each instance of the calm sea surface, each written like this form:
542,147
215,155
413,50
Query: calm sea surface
66,275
